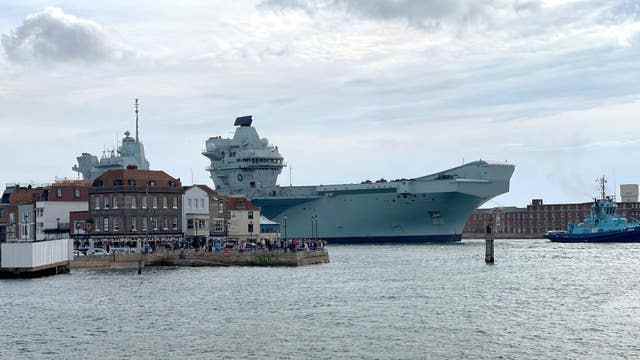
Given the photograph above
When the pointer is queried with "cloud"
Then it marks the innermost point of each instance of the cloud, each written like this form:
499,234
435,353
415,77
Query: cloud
51,36
422,13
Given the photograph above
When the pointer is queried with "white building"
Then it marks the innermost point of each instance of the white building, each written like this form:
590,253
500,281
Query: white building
54,215
243,219
53,206
629,193
195,212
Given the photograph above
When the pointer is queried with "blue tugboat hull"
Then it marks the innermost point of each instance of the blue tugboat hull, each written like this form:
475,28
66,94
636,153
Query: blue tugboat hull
619,236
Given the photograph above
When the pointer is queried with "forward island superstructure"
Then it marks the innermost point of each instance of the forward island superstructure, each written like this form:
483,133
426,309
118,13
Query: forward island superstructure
129,153
432,208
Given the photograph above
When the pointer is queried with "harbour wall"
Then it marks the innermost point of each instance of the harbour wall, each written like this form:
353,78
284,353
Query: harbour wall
502,236
193,259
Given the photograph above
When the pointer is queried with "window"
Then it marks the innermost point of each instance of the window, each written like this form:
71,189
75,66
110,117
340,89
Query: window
133,221
218,226
175,202
175,223
76,193
250,228
155,202
144,224
155,223
190,224
202,203
97,200
133,202
98,222
115,201
165,223
190,202
250,214
59,193
165,202
144,202
116,224
106,224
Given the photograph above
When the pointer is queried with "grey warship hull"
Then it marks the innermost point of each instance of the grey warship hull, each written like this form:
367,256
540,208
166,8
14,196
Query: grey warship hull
432,208
420,210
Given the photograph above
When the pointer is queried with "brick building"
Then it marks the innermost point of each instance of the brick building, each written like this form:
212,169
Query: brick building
19,208
128,205
537,218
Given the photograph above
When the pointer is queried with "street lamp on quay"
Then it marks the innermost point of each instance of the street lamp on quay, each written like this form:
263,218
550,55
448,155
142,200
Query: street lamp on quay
284,224
314,227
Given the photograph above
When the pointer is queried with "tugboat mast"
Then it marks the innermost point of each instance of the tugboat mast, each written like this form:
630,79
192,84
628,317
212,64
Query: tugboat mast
602,186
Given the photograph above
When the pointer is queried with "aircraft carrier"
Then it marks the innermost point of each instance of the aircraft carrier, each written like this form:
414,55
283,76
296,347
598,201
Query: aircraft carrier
431,208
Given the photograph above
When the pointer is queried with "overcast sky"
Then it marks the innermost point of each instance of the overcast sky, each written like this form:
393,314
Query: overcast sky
348,89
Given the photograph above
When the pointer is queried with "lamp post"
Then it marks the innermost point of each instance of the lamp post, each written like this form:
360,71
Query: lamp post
284,223
314,227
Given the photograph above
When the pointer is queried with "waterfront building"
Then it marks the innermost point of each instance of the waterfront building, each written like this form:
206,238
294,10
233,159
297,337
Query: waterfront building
269,230
629,193
195,213
21,213
4,220
537,218
244,219
80,224
130,205
217,220
214,224
53,205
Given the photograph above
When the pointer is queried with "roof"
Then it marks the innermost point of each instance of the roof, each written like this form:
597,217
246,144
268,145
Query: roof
207,189
139,177
25,196
70,183
265,221
239,203
212,193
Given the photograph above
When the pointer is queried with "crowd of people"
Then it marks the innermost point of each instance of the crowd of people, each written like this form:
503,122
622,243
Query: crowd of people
206,245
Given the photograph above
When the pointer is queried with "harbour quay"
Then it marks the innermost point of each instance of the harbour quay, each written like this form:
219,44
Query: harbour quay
197,258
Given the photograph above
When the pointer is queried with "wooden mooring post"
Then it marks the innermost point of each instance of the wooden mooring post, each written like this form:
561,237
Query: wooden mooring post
488,253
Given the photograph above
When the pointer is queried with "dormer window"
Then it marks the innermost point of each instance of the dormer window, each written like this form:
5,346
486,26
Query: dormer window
152,183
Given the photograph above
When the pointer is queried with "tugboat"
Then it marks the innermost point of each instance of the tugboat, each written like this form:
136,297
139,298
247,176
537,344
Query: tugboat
602,225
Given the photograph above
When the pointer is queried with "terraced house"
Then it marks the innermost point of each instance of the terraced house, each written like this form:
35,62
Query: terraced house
127,205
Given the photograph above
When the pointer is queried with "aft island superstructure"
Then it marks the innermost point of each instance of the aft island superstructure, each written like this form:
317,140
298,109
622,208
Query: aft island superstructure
129,153
431,208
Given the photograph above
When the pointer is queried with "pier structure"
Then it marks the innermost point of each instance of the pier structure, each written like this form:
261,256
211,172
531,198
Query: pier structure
28,259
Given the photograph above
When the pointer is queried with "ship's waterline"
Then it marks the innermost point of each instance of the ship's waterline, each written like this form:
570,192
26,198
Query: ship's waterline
429,208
